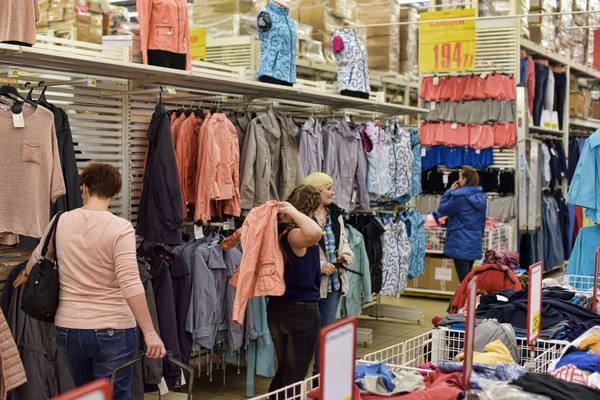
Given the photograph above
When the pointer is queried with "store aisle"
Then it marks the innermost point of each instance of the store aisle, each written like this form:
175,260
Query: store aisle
385,334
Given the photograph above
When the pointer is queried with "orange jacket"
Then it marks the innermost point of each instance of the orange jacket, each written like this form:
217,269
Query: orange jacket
12,372
186,153
261,271
218,171
164,25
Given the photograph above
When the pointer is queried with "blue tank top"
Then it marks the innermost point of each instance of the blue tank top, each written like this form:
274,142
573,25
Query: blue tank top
302,275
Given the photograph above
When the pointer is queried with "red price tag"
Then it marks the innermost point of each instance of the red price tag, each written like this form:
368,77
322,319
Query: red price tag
451,56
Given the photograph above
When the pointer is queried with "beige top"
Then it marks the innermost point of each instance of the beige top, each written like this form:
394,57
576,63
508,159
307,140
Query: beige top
31,176
97,268
18,20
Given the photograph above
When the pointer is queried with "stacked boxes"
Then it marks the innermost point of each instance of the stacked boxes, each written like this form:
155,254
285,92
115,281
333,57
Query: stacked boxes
593,20
83,18
409,56
579,36
383,43
565,36
543,29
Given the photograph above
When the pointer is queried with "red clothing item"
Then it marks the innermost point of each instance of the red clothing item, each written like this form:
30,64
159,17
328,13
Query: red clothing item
505,135
428,134
481,137
452,135
447,88
460,87
429,91
530,83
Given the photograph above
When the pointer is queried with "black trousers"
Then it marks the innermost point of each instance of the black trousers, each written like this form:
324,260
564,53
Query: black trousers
354,93
560,94
463,268
275,81
295,331
162,58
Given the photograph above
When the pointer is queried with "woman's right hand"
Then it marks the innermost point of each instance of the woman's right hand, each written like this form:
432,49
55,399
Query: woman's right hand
285,208
155,346
455,186
328,269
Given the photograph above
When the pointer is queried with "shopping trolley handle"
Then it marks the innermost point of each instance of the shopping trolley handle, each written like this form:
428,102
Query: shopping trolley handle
169,357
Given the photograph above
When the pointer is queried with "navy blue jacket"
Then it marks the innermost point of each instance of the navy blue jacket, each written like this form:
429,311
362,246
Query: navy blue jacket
466,209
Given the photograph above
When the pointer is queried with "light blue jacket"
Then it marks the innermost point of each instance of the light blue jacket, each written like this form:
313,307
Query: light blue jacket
583,256
358,286
415,229
277,33
585,186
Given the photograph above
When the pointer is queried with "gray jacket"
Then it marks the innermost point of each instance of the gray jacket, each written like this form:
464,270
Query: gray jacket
310,146
345,163
269,160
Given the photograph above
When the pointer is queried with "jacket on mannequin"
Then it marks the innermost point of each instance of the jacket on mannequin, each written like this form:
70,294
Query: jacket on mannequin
277,32
18,20
164,25
352,60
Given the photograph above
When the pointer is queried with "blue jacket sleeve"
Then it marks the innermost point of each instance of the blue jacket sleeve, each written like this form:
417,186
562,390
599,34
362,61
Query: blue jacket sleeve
449,205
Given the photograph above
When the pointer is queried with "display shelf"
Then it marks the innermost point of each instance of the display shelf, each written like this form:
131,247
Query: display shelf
203,76
585,123
546,131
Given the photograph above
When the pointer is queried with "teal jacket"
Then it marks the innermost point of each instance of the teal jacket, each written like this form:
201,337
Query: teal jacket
585,186
359,287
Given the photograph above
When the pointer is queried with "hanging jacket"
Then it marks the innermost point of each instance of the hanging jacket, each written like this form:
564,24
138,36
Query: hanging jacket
341,246
290,157
164,25
277,33
310,142
466,208
352,60
585,185
491,278
372,231
160,214
345,163
261,270
44,363
415,230
186,153
401,161
13,373
415,188
359,287
379,180
396,258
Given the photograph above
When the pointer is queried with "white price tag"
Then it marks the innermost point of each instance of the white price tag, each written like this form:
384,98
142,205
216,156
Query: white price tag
445,179
483,76
224,99
13,72
91,81
171,90
423,152
436,81
275,103
18,121
553,152
198,232
162,387
443,274
433,106
225,226
499,297
477,151
183,382
231,223
454,125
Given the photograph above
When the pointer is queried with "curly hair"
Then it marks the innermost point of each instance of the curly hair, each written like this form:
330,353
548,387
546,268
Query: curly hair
102,180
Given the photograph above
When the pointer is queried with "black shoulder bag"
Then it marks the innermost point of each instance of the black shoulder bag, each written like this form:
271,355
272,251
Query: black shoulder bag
40,292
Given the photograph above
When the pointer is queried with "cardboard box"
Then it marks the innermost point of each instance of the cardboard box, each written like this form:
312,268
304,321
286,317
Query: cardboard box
439,274
596,109
580,104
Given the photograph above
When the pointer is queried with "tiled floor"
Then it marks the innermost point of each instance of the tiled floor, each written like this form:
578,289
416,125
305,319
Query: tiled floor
385,334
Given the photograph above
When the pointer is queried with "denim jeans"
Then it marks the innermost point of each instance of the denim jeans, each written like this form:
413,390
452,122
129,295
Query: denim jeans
328,308
294,328
95,353
541,86
463,268
523,77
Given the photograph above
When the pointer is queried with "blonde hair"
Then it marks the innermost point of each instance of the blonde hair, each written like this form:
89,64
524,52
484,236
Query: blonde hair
318,180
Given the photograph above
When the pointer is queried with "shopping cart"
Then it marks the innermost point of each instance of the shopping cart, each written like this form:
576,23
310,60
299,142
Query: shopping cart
169,357
444,344
582,284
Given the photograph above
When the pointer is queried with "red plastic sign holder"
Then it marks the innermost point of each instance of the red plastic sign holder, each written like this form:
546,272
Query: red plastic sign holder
337,344
534,303
469,332
97,390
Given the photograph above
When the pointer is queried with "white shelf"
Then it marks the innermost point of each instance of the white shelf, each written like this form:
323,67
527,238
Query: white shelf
204,76
586,123
546,131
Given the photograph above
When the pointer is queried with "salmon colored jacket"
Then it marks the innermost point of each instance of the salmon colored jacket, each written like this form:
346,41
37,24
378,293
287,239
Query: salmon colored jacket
261,271
12,372
164,25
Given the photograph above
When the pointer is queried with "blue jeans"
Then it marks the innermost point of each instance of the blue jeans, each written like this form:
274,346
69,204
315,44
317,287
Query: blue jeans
95,353
328,308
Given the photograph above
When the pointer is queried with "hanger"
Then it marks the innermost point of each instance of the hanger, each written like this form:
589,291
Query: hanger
216,110
11,93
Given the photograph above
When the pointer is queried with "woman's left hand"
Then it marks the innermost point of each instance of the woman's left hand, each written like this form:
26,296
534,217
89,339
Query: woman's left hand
21,279
347,259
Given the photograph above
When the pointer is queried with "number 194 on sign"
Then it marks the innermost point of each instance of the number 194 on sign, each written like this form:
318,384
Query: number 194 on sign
452,56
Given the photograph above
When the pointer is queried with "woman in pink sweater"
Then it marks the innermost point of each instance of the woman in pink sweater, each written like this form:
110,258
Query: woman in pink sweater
101,295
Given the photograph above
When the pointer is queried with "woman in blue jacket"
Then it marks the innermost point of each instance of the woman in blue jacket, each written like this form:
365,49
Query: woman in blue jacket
465,206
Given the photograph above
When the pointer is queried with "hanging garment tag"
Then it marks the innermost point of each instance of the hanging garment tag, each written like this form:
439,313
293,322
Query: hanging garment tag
183,382
454,125
436,81
477,151
231,222
553,152
13,72
445,179
423,152
433,106
18,120
162,387
91,81
354,196
198,232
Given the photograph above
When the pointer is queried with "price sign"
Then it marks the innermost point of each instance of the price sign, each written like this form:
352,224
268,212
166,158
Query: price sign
469,332
91,81
534,307
198,44
13,72
337,360
447,43
97,390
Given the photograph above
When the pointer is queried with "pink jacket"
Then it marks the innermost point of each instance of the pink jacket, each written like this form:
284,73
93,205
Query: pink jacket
261,271
164,25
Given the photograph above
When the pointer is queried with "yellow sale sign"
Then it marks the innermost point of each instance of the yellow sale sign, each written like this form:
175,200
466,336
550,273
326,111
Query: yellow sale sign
198,44
447,43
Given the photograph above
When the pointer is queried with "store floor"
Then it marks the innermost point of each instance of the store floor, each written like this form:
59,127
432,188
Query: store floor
385,334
